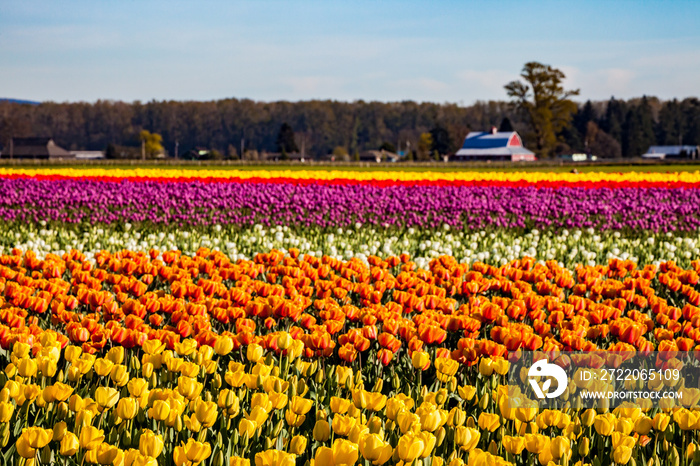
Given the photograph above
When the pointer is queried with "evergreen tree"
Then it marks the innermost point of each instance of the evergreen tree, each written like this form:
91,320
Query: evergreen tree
506,126
441,140
285,139
614,119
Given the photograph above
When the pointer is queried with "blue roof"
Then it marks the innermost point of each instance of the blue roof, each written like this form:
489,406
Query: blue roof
671,150
487,140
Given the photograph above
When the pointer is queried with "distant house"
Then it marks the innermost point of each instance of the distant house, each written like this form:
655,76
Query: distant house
35,148
494,145
88,154
671,152
578,157
378,156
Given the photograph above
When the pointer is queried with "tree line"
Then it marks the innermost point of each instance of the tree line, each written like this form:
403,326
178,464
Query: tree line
242,128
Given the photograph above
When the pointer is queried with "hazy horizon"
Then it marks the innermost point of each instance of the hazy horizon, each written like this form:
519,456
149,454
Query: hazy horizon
390,51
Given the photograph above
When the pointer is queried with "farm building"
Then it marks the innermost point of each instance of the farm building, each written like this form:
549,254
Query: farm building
35,148
671,152
494,145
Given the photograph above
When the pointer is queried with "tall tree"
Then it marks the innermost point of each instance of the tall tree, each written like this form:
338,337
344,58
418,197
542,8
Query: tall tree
638,130
506,126
285,139
545,102
441,140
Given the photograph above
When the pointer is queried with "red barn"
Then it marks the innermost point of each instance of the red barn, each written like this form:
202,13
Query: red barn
494,145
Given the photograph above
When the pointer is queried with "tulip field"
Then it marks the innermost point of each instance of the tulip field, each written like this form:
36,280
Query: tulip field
224,317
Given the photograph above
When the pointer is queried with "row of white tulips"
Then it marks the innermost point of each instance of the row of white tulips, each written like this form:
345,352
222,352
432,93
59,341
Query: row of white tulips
495,247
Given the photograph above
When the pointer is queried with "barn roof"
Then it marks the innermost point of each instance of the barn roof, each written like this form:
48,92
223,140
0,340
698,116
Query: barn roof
493,143
37,148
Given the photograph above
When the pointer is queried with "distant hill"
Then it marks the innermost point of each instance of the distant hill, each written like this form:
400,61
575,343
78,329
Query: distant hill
19,101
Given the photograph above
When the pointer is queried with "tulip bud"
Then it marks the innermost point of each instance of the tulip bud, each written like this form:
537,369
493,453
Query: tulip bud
45,455
484,401
584,446
375,425
219,459
269,443
440,436
278,428
493,448
301,387
135,364
452,384
216,382
378,386
319,377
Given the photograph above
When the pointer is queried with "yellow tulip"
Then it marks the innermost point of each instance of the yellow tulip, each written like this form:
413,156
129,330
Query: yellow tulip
91,437
223,345
23,448
375,449
60,429
298,445
141,460
238,461
189,387
339,405
119,375
535,443
196,451
604,424
106,453
501,366
661,421
69,444
137,387
431,417
322,431
513,445
152,347
410,447
560,447
37,437
116,354
246,427
254,352
186,347
486,367
127,408
150,444
300,405
106,397
160,410
407,421
420,360
643,425
686,420
275,458
489,421
206,413
27,367
103,367
284,341
6,411
466,392
446,368
622,454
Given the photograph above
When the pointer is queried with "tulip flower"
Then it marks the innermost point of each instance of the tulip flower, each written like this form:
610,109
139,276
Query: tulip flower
274,458
374,449
150,444
91,437
69,444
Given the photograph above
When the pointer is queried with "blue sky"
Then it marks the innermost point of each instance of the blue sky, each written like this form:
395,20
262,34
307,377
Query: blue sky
442,51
